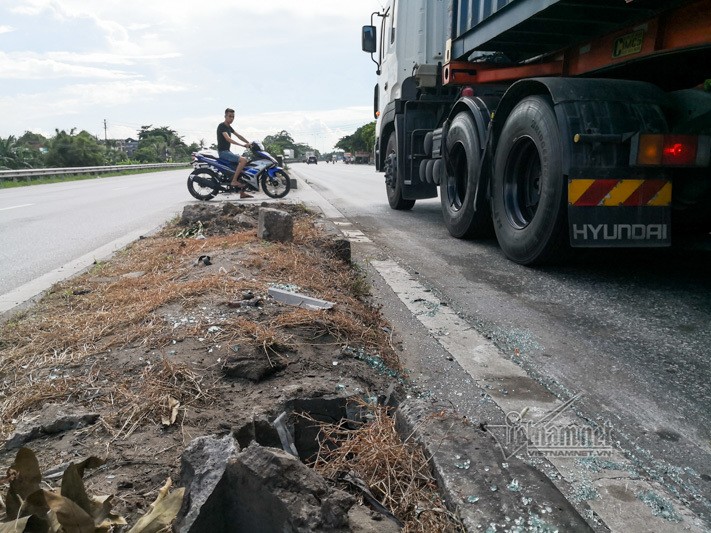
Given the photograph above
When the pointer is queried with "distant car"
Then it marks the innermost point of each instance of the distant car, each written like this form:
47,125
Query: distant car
312,159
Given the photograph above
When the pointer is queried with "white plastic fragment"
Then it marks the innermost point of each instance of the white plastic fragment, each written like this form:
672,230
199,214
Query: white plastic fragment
299,300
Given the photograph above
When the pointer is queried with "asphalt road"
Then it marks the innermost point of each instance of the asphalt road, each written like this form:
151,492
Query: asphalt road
47,227
628,331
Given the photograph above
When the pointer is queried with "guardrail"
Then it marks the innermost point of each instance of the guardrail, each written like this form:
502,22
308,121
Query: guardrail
30,173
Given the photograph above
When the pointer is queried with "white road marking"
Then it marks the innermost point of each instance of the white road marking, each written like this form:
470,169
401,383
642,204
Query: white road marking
355,235
120,188
15,207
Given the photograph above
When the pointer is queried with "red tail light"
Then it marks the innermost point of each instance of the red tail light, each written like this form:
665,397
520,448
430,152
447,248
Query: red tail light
670,150
679,150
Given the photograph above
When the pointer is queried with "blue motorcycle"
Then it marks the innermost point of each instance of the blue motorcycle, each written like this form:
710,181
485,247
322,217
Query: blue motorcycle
212,175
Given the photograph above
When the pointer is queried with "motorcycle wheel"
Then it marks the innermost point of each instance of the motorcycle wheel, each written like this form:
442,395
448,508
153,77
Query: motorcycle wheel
277,186
203,184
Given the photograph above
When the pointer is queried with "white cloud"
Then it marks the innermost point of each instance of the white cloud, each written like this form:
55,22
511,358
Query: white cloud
6,29
284,65
32,66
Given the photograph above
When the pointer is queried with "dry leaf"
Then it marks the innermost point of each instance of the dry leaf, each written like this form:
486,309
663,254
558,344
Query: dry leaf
162,512
103,517
25,477
88,464
16,526
170,410
72,517
73,488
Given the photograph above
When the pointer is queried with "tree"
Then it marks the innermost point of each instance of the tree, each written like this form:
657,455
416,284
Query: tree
277,143
362,140
70,150
24,152
156,145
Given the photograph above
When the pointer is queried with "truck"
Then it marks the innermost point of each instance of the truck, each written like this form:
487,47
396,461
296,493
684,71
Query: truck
361,157
549,124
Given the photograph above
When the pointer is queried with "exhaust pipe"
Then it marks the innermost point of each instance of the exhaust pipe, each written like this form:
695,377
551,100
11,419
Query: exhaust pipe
205,182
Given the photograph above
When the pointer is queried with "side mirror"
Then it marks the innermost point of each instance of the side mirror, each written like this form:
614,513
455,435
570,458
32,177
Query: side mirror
369,41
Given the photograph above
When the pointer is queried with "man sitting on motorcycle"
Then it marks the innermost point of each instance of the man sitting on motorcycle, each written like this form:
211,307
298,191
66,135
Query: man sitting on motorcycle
224,140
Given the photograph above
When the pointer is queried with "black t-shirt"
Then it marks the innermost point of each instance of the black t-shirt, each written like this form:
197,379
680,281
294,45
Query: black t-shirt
222,143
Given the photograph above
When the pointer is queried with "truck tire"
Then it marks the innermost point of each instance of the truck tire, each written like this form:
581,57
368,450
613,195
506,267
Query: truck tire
459,182
393,183
528,192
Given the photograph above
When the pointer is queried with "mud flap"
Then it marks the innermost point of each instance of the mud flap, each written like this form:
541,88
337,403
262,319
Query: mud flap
619,213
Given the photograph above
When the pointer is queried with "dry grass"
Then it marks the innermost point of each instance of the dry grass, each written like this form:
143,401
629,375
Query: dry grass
118,305
396,473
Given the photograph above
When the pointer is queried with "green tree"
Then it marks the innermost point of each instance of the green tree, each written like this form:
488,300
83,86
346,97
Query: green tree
22,152
277,143
156,145
362,140
70,150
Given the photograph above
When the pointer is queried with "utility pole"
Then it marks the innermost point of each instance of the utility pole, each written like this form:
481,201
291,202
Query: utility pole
106,140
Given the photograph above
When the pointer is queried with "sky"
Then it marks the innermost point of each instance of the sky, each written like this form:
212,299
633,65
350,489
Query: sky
281,64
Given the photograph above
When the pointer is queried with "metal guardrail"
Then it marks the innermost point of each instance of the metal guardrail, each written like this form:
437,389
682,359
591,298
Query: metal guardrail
29,173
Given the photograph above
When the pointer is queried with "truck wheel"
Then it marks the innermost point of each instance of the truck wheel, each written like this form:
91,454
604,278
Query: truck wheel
528,193
466,213
393,184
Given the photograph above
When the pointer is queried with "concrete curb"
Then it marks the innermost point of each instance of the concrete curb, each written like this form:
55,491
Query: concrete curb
485,489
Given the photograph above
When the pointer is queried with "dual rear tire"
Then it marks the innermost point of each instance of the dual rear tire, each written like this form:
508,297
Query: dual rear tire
525,201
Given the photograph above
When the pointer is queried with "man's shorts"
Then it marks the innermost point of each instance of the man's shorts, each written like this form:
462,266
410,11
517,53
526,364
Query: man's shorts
227,155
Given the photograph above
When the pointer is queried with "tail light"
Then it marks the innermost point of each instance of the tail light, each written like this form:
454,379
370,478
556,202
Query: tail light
670,150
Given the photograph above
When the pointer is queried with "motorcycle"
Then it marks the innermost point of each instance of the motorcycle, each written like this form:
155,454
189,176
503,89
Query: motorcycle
212,175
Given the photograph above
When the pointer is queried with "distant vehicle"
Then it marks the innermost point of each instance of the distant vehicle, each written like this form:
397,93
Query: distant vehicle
347,158
362,157
312,159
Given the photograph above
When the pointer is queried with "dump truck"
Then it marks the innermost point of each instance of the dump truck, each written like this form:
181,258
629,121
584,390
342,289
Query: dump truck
550,124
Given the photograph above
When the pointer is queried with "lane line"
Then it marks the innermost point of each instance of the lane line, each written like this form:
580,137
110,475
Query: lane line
15,207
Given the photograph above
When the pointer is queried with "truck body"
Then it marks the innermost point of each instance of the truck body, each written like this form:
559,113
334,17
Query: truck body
551,123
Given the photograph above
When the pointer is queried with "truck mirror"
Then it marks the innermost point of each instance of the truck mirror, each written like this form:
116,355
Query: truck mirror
369,40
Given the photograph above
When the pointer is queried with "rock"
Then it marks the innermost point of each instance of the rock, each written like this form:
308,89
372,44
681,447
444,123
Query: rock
203,466
341,248
52,420
197,212
275,225
244,222
231,209
260,489
363,520
259,430
252,366
274,491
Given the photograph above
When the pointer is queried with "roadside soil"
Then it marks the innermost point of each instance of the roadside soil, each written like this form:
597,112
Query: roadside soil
176,337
